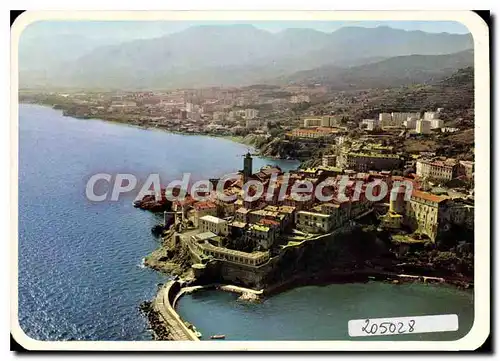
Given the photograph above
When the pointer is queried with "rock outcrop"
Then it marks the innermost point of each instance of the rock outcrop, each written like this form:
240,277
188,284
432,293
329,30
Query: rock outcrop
149,203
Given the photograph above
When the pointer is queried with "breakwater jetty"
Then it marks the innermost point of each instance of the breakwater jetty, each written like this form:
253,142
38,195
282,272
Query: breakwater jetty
168,295
164,304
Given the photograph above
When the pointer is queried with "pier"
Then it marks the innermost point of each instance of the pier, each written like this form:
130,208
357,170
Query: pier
164,305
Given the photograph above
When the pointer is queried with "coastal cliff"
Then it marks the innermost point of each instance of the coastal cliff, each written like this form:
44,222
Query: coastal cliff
352,253
170,258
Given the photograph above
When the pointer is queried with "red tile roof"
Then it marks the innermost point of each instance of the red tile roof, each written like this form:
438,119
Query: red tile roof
269,222
428,196
204,205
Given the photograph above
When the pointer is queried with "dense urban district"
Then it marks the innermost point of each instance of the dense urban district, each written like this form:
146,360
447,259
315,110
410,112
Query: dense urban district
419,134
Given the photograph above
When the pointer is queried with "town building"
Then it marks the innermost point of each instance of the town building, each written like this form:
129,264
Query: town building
391,220
213,224
424,213
437,123
241,215
251,113
312,122
263,236
468,168
460,212
370,124
339,140
410,123
329,160
439,170
423,126
431,115
363,162
206,248
339,212
252,123
398,118
313,222
288,213
201,209
311,133
385,119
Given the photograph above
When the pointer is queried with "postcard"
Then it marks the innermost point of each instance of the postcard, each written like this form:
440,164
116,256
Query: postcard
260,180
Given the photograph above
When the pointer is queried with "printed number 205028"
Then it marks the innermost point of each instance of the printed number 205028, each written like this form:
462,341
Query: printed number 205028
402,325
382,328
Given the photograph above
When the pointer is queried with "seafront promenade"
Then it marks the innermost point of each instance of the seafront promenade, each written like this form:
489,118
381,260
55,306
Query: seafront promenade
162,304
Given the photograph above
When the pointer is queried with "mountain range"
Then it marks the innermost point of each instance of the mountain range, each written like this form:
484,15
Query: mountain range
238,55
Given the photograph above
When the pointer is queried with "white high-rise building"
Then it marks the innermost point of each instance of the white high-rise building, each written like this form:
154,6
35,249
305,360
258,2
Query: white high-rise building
385,119
371,124
437,123
312,122
410,123
399,118
251,113
423,126
431,115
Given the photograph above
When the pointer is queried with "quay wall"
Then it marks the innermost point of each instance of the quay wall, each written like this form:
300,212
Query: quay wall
164,305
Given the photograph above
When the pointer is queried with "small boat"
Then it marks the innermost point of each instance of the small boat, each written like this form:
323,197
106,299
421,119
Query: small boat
218,337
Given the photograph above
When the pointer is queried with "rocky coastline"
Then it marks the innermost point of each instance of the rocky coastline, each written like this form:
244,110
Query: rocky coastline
160,331
149,203
174,260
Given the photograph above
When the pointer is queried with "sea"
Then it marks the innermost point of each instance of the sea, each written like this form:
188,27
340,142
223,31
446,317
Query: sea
80,265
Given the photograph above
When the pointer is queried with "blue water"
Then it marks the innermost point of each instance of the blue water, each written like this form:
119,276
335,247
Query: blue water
323,312
80,274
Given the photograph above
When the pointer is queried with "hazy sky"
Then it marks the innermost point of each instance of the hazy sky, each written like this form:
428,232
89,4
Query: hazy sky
127,30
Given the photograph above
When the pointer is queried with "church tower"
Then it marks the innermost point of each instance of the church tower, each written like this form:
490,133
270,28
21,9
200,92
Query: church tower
247,167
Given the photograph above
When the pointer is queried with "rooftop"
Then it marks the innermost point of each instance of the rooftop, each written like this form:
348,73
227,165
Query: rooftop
259,227
427,196
269,222
204,205
213,219
238,224
253,255
373,155
314,214
204,236
330,168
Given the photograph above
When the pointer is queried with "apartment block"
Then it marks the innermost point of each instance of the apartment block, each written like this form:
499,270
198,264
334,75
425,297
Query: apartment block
213,224
424,212
313,222
312,122
264,236
423,126
437,123
363,162
439,170
329,160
